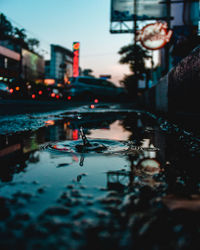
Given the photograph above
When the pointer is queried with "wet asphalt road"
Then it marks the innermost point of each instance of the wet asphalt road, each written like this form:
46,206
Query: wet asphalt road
140,191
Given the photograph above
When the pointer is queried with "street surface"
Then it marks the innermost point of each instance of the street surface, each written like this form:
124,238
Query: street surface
96,176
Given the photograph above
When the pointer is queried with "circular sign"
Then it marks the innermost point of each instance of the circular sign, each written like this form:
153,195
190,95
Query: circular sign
76,46
154,36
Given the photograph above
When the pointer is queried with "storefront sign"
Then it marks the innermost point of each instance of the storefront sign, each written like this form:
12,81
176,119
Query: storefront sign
76,46
154,36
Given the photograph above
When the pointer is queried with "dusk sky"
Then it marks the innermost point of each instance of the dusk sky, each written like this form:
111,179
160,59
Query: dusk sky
64,21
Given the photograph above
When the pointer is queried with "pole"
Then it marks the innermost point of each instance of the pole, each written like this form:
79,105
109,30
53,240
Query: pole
135,40
167,45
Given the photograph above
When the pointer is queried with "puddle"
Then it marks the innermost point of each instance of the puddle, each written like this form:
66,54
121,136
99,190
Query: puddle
50,183
97,146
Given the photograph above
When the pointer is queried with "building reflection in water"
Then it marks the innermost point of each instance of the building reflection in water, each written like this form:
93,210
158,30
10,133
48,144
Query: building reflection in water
18,150
144,160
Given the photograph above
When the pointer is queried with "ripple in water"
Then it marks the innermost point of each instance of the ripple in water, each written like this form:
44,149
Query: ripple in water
96,145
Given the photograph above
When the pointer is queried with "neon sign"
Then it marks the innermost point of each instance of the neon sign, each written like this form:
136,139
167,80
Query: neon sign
154,36
76,46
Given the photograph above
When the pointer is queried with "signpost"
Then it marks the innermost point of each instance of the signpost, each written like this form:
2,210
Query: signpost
154,36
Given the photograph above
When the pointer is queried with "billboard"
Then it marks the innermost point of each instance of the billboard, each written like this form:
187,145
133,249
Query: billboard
32,65
123,10
76,46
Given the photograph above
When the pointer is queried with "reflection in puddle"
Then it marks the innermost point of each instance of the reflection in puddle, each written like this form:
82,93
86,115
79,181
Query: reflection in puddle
114,132
46,177
97,145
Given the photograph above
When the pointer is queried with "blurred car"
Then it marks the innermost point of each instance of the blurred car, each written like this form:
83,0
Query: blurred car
89,87
4,90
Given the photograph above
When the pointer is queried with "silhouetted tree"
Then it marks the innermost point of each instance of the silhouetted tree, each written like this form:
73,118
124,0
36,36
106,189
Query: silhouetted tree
133,55
33,43
6,28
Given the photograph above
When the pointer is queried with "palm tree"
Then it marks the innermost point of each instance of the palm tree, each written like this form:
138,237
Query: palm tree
33,43
6,27
135,56
20,36
20,33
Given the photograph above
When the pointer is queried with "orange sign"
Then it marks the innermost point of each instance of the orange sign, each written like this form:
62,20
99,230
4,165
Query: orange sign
76,46
154,36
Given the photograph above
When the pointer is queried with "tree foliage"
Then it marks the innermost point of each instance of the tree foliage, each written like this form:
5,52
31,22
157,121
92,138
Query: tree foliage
135,56
16,35
6,27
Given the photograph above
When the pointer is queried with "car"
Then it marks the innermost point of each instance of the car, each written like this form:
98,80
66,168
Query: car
4,90
86,87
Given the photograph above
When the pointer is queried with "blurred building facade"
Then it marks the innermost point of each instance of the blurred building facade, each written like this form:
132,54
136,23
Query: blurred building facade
19,63
60,66
10,60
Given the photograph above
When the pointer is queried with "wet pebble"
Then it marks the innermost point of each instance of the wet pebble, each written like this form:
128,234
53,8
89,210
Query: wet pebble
110,200
75,193
41,190
22,216
89,203
25,196
57,210
35,182
83,187
70,186
100,213
4,209
78,214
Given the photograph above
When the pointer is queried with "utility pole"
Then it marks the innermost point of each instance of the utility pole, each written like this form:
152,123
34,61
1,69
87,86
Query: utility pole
168,3
135,38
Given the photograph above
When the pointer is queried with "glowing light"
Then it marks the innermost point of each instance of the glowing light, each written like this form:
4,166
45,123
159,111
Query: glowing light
57,96
92,106
11,91
50,122
17,88
49,81
40,92
53,94
75,134
33,96
76,46
69,97
96,100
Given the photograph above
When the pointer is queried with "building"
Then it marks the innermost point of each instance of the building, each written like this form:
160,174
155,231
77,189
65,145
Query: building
33,66
19,63
60,66
10,60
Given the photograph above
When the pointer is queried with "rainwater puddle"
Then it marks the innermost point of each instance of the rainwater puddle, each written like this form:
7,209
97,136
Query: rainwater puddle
43,163
46,178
